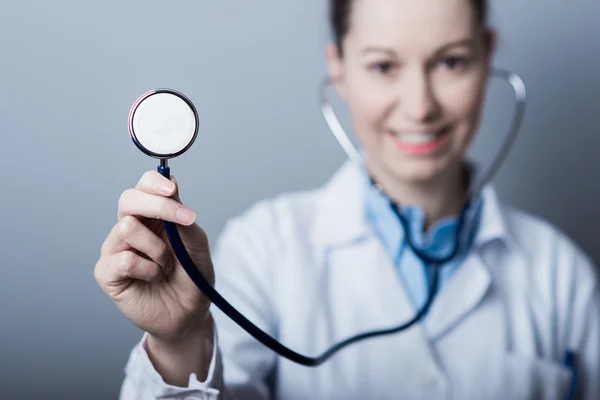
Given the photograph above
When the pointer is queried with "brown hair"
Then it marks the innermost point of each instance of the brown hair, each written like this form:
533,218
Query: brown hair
339,17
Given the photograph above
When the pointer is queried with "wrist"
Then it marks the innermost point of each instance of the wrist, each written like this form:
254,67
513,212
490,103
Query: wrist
191,352
183,337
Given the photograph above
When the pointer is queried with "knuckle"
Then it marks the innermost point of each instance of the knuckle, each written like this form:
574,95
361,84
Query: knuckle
123,199
127,261
162,249
161,209
98,271
152,271
147,179
165,259
127,225
104,248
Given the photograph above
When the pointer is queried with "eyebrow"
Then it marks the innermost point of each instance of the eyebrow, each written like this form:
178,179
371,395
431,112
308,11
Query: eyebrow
457,43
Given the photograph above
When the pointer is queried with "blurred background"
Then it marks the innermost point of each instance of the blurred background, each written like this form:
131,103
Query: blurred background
70,70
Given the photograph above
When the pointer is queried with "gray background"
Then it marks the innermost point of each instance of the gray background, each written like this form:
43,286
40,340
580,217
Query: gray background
70,70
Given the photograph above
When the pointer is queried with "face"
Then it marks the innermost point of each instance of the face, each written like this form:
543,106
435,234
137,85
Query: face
413,74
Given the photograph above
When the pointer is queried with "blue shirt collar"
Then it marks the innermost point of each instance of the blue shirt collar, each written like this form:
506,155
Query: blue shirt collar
438,240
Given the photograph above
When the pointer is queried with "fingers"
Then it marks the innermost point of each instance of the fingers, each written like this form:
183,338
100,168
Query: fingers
131,233
118,269
140,203
152,182
155,197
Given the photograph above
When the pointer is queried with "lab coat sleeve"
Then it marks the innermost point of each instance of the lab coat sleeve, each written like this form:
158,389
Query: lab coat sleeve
142,381
240,365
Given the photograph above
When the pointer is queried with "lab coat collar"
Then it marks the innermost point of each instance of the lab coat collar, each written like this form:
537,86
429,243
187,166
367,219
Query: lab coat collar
341,220
341,223
340,217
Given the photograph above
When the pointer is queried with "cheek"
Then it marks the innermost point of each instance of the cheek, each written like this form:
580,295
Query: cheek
462,100
462,105
369,106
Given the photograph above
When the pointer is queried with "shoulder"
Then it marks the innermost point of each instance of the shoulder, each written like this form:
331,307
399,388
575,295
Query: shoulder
290,218
278,212
553,255
538,236
272,222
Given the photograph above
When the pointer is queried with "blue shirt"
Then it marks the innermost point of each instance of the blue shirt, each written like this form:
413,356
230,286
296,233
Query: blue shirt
437,242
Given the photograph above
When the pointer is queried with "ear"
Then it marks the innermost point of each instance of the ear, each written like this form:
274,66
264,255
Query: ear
336,69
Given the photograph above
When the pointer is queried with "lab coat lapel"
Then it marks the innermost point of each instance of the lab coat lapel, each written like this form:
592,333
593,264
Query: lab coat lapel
466,289
339,218
341,224
358,273
462,293
361,278
360,292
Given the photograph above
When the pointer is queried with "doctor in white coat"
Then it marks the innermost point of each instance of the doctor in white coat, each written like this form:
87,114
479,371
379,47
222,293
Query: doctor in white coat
517,314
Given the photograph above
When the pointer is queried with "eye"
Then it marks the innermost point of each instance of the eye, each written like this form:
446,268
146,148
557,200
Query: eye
383,68
454,62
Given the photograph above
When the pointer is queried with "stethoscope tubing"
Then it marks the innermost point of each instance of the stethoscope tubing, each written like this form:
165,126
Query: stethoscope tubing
213,295
435,263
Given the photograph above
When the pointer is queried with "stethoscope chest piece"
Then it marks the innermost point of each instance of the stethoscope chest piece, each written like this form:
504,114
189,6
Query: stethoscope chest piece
163,123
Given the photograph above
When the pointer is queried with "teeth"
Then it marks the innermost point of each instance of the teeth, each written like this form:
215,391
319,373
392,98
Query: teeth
416,138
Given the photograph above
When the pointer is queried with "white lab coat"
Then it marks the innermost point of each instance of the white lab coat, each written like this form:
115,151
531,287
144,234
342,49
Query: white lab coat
307,268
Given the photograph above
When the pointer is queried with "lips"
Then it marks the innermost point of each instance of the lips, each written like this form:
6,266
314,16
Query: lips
419,137
421,142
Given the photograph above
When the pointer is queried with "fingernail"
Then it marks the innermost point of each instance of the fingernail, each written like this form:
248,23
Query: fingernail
185,216
166,187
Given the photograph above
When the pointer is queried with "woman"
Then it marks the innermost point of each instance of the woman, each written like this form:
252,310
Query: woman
314,267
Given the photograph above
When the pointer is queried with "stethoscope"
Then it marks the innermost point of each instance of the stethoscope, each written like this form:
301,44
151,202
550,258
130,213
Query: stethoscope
163,124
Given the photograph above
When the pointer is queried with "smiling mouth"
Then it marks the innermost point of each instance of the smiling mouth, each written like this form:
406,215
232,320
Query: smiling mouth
420,143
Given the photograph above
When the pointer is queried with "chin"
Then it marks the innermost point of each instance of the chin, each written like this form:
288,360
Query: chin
416,177
417,172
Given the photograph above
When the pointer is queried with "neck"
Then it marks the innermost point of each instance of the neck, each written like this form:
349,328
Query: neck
443,197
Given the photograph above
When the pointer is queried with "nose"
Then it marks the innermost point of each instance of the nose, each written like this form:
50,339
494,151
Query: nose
417,100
